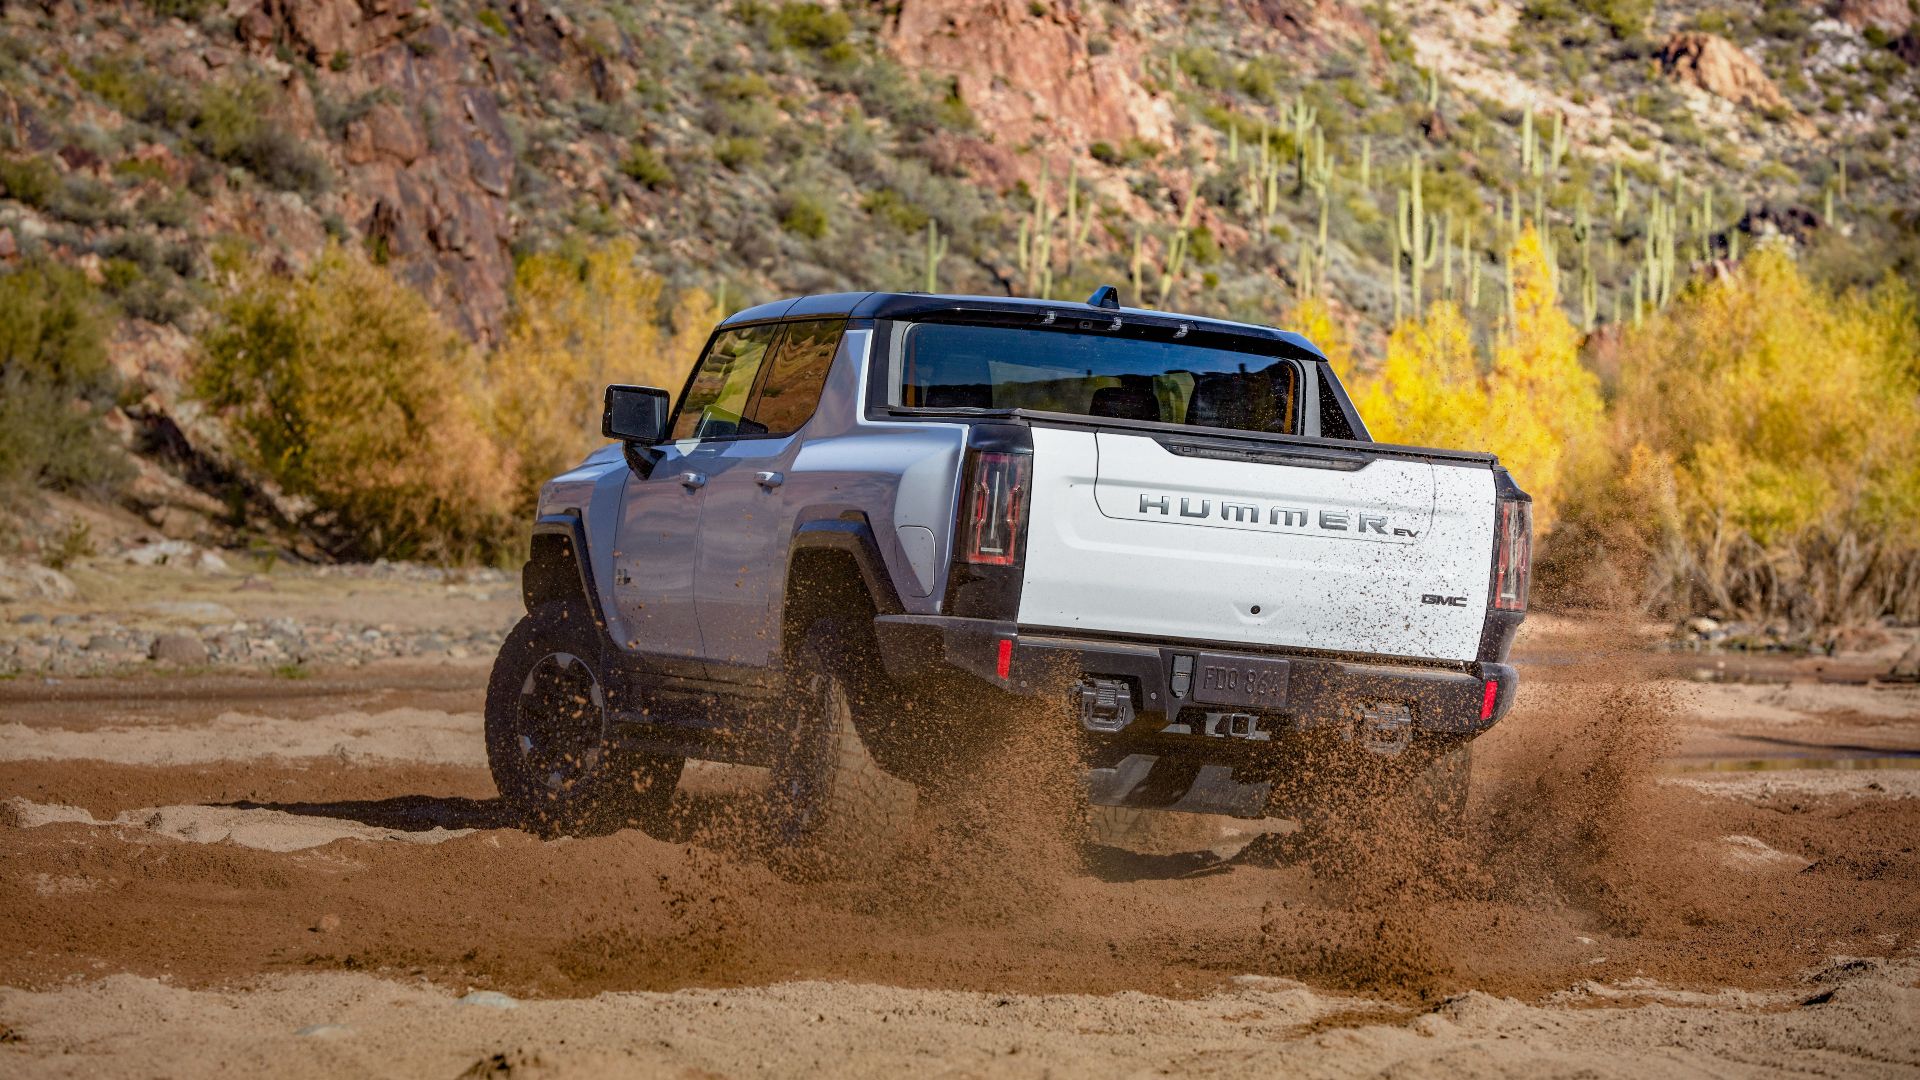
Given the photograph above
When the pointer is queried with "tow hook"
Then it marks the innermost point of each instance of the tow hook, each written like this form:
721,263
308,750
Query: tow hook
1384,727
1106,705
1235,725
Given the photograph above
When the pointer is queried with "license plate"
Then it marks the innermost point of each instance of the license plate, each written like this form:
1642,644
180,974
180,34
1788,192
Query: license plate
1247,681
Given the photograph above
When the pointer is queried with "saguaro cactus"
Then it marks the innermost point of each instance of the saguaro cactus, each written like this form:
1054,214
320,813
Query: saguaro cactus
1137,264
1472,264
1177,249
1416,233
1526,140
1079,217
1557,149
1657,252
1319,166
936,250
1036,239
1589,284
1302,117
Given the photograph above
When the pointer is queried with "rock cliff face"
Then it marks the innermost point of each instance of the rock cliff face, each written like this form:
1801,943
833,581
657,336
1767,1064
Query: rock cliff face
1891,17
428,166
1719,67
1053,73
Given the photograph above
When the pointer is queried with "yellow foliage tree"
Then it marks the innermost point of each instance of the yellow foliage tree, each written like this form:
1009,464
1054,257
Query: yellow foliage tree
1785,422
1430,390
1545,408
1534,405
579,323
342,385
693,318
1314,320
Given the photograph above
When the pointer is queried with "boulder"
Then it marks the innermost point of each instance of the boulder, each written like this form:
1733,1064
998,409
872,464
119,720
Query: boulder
21,580
1719,67
185,650
1907,668
1891,17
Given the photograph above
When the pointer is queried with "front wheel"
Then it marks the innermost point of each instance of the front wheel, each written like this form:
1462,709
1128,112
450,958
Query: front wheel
550,744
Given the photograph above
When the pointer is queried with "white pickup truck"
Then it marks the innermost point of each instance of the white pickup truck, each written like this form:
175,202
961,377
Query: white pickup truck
867,516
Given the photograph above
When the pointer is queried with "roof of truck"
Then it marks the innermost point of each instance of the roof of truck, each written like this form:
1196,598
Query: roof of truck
897,305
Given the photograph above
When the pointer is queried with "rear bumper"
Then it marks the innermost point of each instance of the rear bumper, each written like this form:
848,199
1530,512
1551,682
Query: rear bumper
1321,692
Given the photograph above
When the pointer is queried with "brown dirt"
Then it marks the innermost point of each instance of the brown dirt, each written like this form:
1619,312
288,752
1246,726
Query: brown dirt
209,844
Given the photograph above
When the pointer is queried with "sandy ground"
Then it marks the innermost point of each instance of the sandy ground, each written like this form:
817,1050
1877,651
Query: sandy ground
213,874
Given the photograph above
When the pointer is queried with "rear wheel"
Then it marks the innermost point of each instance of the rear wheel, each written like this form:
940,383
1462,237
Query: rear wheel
834,811
550,743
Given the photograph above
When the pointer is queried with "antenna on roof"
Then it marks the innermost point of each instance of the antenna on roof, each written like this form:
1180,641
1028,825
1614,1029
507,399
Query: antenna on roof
1106,296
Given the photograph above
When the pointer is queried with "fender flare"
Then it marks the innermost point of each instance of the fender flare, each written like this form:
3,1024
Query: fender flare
559,564
850,533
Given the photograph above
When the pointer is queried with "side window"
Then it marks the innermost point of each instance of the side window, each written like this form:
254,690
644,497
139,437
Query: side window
791,388
715,404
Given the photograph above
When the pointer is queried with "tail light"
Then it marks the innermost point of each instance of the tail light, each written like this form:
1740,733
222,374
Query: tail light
996,501
1512,554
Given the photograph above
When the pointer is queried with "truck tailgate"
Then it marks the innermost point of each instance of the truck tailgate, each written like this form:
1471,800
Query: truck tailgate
1174,537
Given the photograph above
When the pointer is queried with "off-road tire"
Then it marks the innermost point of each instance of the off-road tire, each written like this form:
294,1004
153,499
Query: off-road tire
548,726
832,811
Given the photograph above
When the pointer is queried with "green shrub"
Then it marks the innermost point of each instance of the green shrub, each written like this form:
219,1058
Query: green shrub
1624,18
739,151
232,124
55,381
644,165
342,385
891,206
1131,152
810,26
951,109
85,201
1784,19
32,180
804,214
190,10
491,19
1205,67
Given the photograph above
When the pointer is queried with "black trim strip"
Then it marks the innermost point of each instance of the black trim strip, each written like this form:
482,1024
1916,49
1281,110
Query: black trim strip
1037,633
1103,423
1340,460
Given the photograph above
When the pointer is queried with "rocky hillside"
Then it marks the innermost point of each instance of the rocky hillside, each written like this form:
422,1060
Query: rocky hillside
1228,157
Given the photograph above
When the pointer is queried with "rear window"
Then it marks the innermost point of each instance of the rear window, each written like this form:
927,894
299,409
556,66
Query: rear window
954,365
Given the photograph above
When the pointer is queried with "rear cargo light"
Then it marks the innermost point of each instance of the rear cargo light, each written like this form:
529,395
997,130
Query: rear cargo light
1512,555
996,499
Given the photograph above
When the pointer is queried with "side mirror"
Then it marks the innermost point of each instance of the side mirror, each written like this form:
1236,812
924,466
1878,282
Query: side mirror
636,414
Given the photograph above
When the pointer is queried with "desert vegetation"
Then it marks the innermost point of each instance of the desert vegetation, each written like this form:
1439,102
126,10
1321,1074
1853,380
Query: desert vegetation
1571,232
342,385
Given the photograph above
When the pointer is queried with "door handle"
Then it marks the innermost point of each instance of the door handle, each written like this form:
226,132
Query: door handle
693,480
769,479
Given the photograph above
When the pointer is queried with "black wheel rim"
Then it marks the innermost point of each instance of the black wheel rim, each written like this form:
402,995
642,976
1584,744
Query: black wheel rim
560,724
